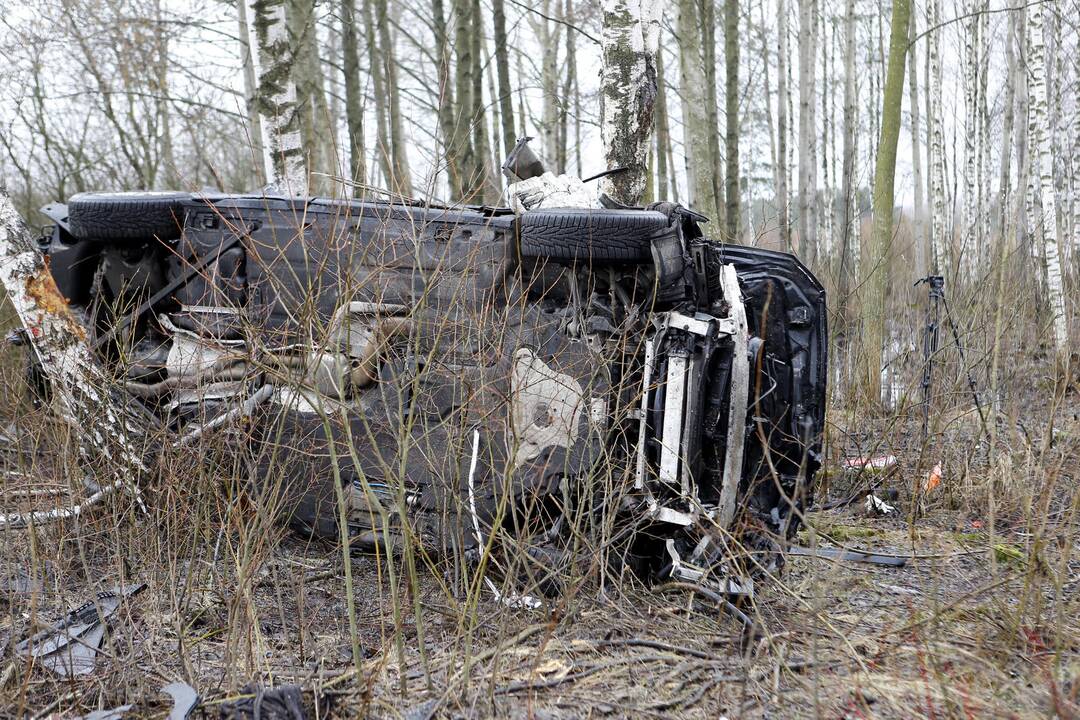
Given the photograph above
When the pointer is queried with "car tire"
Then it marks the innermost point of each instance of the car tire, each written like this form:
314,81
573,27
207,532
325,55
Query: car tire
598,235
127,215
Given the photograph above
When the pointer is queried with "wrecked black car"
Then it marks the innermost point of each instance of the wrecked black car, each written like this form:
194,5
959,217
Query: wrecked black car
455,377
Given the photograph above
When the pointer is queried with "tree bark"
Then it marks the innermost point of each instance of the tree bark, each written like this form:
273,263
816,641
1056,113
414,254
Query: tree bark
447,120
462,142
849,214
401,178
277,99
936,150
783,103
774,160
1046,190
502,68
919,235
568,87
807,132
354,103
114,439
487,193
631,31
254,121
707,13
664,176
731,140
163,111
884,174
378,80
316,129
969,243
1002,221
701,165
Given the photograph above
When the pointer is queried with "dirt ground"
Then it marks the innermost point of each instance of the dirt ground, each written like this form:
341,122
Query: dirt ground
973,626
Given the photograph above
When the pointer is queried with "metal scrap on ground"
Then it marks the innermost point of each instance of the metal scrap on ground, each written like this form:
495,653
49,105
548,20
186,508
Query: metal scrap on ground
70,647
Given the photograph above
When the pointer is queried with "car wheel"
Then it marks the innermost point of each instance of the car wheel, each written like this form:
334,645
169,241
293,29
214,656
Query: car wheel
599,235
127,215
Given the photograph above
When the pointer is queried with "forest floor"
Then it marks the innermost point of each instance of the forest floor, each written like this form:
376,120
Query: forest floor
973,626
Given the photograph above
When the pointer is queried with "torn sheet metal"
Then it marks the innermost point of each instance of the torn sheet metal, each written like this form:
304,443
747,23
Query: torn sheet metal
70,647
740,381
184,700
284,702
851,556
547,407
115,713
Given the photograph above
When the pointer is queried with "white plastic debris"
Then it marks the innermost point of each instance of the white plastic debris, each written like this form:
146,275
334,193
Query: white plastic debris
550,191
877,506
881,462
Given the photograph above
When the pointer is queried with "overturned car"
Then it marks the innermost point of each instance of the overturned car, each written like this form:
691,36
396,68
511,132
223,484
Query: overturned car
577,383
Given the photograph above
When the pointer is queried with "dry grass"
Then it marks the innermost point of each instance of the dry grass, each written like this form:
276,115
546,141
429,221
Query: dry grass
983,622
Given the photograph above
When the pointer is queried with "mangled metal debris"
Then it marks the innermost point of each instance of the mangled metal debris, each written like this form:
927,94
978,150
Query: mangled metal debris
70,647
851,556
500,381
116,713
184,698
285,702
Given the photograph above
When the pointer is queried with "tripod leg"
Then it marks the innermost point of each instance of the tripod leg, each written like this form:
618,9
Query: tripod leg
930,348
967,368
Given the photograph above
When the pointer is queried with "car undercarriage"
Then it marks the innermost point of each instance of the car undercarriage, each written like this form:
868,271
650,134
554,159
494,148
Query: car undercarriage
466,380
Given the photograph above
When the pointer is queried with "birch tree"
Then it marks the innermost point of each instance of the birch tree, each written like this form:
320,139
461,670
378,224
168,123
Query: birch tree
631,30
919,235
936,149
783,103
254,121
1047,227
277,99
849,212
807,131
969,241
115,438
305,69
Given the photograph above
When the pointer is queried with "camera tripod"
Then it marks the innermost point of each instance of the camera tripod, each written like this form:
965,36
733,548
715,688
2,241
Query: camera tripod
935,285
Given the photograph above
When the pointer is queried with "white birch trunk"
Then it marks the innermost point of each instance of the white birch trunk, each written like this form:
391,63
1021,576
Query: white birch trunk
828,117
1075,164
783,118
1046,191
807,131
631,32
112,437
921,268
277,100
848,202
936,154
969,242
254,120
984,181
